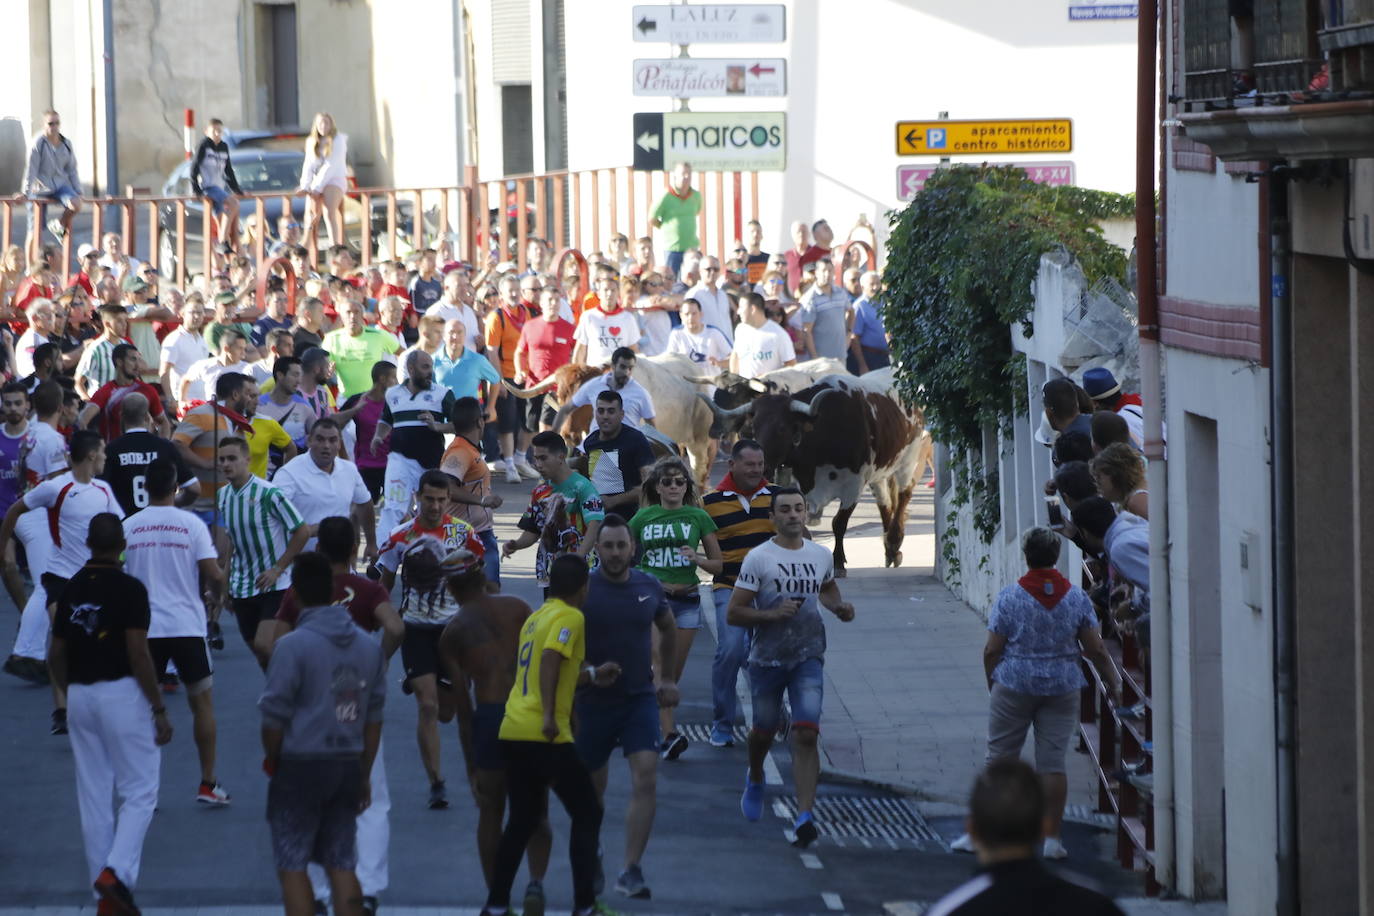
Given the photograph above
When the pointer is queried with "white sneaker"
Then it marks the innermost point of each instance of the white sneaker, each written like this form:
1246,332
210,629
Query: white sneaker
526,470
963,844
512,475
1054,849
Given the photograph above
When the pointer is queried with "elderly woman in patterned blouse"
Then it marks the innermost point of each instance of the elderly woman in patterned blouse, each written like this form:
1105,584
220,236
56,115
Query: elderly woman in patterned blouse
1038,630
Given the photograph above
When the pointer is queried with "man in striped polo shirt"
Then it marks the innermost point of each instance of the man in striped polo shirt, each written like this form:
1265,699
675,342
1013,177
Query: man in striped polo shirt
742,508
96,366
416,415
266,532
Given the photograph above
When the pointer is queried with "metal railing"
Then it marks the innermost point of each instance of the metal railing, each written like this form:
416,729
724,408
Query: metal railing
578,210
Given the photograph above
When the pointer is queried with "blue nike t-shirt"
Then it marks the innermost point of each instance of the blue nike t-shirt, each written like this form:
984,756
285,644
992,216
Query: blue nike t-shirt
620,622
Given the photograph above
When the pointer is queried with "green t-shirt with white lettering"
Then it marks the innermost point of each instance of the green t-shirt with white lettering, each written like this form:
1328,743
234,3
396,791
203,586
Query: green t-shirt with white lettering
660,532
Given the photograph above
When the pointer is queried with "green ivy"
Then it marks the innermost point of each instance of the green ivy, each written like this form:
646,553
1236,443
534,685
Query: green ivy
962,258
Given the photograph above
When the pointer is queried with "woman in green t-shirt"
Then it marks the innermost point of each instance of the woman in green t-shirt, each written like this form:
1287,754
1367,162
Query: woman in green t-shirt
676,538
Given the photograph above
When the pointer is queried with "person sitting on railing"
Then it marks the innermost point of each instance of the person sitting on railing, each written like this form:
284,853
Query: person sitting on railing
212,177
51,175
1038,629
1006,822
324,176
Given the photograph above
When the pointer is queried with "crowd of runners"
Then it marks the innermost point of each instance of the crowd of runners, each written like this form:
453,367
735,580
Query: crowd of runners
324,478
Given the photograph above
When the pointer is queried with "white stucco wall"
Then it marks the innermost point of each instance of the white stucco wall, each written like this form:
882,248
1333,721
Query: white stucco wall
857,67
1238,401
1213,220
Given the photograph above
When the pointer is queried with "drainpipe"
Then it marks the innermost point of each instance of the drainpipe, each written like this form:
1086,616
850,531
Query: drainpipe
111,140
1281,474
1152,388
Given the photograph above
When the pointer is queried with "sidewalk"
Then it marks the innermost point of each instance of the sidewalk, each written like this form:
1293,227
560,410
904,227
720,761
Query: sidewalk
906,702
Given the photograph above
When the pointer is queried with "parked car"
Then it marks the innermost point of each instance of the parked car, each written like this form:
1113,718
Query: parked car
262,170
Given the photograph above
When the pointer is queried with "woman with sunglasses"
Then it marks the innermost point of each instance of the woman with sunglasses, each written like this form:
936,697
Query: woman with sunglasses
676,538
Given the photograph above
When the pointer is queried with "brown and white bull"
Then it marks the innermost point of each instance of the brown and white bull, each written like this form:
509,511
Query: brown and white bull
680,417
841,435
734,393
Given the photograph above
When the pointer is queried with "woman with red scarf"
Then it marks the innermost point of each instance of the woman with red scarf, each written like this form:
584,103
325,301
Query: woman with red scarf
1037,631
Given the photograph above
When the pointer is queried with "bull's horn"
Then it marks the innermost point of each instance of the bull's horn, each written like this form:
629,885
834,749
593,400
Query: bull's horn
527,393
820,396
803,408
761,386
722,413
702,379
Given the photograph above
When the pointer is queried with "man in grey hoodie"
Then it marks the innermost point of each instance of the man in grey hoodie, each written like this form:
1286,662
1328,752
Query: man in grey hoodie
321,727
51,175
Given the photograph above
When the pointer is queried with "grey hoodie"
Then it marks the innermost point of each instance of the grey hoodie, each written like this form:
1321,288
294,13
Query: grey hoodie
326,680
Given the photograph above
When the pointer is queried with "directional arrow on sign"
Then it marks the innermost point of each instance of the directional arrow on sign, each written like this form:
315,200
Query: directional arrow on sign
759,68
910,138
646,25
647,141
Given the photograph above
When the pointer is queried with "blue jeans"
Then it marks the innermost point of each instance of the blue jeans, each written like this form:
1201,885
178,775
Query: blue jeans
732,649
804,685
491,558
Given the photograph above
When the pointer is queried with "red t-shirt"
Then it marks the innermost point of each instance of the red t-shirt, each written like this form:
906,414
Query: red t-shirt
795,263
547,345
359,594
109,396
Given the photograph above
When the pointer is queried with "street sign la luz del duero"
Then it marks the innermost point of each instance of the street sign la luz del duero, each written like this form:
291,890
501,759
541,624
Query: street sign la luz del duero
717,23
694,77
726,141
979,138
912,178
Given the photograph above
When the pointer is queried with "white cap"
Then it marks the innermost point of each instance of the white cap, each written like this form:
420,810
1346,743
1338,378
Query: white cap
84,249
1045,434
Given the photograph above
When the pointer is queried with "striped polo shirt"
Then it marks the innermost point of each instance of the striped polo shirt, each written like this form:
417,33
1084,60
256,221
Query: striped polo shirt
742,523
410,437
97,363
260,521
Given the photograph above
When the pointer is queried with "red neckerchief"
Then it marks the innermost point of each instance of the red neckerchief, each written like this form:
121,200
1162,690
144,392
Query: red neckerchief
238,420
517,316
727,485
1132,399
1045,585
673,191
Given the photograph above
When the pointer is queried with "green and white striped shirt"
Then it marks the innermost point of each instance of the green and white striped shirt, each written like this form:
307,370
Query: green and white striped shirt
260,521
97,363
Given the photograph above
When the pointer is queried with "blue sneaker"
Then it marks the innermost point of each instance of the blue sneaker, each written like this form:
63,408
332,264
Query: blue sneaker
722,736
805,830
751,802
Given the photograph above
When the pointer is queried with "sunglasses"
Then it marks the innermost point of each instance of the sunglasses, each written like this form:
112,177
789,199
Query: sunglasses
673,482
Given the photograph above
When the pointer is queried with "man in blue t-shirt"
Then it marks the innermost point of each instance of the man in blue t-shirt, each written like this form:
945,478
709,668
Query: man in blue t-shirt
618,456
622,608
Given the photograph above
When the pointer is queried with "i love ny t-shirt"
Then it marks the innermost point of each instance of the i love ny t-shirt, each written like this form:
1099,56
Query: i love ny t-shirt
603,334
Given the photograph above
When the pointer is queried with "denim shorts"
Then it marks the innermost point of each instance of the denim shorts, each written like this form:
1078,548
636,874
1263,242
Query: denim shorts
64,195
491,559
805,687
686,610
631,723
217,197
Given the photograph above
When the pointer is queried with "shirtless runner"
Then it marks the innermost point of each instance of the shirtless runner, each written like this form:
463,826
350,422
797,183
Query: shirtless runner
478,648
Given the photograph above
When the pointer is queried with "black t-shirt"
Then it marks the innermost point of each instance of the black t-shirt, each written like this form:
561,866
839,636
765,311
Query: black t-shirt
303,340
95,609
126,467
1023,887
613,466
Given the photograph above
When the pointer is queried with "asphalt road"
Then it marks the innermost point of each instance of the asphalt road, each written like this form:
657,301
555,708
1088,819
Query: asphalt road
703,858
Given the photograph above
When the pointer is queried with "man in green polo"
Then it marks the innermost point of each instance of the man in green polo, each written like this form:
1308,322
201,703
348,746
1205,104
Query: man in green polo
676,214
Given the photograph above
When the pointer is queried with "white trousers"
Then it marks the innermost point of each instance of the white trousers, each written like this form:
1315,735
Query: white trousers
374,836
38,547
111,728
402,483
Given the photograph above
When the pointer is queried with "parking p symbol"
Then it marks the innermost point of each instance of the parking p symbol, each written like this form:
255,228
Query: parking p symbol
935,137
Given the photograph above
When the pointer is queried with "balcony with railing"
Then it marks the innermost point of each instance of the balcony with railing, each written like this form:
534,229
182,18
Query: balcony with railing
1268,79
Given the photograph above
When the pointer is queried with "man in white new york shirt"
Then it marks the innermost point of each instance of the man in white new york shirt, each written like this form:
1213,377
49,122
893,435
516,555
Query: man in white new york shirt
322,485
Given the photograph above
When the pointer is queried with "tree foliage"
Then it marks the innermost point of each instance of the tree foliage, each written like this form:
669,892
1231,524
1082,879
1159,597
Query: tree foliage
962,260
